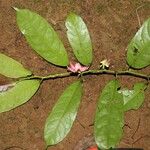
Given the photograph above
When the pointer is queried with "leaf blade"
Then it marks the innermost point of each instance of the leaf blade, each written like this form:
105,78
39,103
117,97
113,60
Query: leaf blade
41,37
61,119
138,51
79,38
133,99
11,68
109,117
18,95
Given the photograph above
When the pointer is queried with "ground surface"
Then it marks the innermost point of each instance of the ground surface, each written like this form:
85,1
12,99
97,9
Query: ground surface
112,24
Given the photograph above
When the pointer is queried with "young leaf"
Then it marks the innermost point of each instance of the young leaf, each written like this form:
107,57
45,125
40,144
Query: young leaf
79,38
18,95
133,99
109,117
60,120
11,68
42,37
138,54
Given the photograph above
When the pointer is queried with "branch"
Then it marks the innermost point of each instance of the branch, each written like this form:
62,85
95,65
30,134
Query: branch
92,72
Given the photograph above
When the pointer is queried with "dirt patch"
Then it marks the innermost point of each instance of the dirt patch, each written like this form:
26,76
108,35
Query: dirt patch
112,24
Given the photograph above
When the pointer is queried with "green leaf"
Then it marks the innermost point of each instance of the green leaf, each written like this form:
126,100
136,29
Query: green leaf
11,68
60,120
42,37
79,38
109,119
18,95
133,99
138,51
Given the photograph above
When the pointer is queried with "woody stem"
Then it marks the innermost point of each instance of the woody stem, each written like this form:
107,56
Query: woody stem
93,72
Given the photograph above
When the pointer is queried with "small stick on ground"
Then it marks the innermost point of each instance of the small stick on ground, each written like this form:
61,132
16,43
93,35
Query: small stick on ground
81,124
136,129
12,147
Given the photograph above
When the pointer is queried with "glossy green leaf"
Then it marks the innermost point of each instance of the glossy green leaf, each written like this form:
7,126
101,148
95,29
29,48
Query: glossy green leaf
18,95
109,117
138,51
61,119
11,68
42,37
79,38
133,99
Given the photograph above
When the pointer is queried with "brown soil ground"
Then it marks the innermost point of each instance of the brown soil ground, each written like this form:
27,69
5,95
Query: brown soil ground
112,24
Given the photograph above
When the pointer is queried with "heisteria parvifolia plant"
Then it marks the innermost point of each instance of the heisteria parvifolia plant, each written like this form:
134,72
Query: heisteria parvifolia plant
113,102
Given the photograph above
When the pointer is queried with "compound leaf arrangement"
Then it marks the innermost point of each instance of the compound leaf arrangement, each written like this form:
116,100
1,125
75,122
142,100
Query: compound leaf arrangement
113,101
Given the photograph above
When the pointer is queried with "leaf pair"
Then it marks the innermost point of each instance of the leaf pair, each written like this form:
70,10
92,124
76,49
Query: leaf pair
63,115
109,119
15,94
44,40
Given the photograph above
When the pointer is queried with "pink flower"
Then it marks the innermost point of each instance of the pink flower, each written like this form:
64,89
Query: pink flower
77,68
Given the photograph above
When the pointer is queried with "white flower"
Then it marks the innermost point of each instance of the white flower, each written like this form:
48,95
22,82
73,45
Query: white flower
104,64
